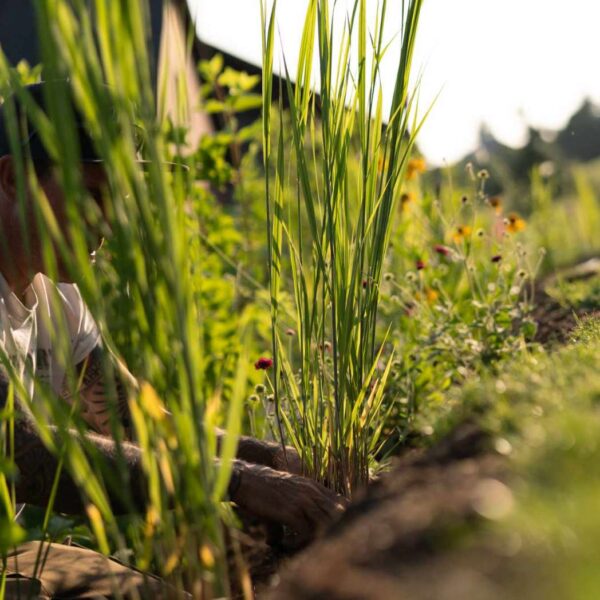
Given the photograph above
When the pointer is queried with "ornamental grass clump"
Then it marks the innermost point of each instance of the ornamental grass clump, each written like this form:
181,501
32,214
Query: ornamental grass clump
330,400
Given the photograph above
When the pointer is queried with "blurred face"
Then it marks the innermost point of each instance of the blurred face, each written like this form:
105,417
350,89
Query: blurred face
95,182
21,254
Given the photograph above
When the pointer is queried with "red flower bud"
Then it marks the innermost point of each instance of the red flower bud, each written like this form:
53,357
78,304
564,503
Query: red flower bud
443,250
420,265
497,258
263,363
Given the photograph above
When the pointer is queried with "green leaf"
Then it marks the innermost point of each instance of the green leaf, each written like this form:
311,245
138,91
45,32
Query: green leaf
210,69
245,102
529,329
214,106
11,534
250,132
238,81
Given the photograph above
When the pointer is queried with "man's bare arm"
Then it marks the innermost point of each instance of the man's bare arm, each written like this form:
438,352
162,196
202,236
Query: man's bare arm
269,454
95,401
38,467
295,501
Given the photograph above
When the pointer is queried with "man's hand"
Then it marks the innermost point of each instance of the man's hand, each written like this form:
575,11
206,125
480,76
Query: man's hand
300,503
287,460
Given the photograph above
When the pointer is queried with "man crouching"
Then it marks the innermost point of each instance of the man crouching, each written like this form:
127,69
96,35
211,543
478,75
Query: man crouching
265,480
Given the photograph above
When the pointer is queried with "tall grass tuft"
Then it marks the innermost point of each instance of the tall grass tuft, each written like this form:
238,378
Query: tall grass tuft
329,387
146,277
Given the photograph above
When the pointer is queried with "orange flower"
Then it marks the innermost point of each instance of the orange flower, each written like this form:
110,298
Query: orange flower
415,167
462,232
514,223
429,295
496,204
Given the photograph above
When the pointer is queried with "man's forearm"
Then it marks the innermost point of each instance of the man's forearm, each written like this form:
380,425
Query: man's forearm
251,450
37,471
38,466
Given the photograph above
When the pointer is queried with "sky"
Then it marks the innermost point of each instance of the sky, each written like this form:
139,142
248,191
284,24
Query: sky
504,63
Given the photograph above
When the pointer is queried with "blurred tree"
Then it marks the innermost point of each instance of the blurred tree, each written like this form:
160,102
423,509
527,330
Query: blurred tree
580,139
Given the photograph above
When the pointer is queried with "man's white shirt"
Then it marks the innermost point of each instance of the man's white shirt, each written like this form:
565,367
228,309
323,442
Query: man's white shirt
50,330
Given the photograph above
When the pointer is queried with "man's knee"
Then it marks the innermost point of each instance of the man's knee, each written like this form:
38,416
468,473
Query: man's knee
61,570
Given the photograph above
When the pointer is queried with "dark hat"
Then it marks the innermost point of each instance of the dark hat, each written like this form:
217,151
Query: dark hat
29,136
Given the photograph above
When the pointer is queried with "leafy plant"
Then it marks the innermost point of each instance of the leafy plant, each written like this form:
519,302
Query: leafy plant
458,293
540,410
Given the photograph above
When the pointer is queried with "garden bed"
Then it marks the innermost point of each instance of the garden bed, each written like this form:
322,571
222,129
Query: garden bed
425,529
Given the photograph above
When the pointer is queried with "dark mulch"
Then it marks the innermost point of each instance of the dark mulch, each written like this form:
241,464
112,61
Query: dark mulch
556,321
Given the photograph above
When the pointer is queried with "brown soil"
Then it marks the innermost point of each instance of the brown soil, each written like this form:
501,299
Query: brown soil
410,535
255,553
556,320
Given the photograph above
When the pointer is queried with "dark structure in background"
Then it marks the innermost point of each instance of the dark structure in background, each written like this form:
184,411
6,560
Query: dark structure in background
203,51
18,33
172,57
169,58
175,52
18,36
169,22
18,30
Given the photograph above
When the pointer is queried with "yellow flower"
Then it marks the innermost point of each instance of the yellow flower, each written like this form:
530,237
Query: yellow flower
207,556
415,167
514,223
462,232
405,199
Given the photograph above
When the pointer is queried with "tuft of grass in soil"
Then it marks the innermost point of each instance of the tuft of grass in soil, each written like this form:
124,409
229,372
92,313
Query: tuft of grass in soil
580,295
